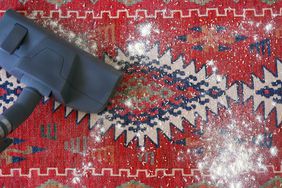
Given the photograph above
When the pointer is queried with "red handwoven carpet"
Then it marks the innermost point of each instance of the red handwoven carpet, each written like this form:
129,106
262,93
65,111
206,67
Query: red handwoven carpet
200,104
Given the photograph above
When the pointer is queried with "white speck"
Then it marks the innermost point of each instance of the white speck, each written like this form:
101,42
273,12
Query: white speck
71,34
258,57
268,27
102,130
255,37
214,69
259,139
94,46
89,164
259,118
201,165
136,48
258,24
78,41
97,138
128,103
260,164
218,78
236,185
117,67
210,62
157,31
273,151
145,29
251,22
118,126
53,24
76,180
92,134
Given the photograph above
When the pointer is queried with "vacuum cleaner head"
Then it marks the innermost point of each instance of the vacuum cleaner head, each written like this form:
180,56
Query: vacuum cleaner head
48,65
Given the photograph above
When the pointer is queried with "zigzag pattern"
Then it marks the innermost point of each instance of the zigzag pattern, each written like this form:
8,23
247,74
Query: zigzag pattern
189,111
141,12
92,118
159,172
267,91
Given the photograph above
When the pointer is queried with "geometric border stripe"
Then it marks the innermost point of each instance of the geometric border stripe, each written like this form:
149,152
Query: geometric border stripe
191,13
14,172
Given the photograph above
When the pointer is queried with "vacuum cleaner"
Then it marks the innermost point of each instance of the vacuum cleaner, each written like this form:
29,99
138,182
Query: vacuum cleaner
49,66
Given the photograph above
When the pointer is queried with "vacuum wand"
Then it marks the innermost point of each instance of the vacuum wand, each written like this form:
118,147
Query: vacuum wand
49,66
13,117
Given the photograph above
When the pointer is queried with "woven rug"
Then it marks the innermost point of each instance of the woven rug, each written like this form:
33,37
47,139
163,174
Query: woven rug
200,103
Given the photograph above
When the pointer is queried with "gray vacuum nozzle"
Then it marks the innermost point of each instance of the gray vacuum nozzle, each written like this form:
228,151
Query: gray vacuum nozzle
49,66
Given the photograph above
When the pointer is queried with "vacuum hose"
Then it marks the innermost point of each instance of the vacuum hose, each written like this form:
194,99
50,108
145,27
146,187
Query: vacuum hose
14,116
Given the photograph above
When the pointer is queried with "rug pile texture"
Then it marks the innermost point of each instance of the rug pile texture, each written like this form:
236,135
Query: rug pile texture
200,103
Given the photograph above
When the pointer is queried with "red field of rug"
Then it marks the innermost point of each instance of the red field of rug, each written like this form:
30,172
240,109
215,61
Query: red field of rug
200,103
